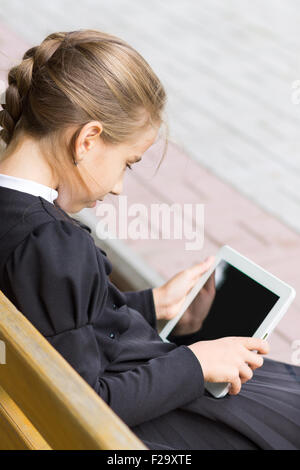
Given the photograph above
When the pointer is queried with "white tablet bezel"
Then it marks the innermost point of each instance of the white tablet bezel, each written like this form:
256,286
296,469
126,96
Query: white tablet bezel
285,292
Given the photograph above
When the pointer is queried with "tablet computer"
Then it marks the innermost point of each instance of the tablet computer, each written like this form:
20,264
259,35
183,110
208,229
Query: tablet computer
235,297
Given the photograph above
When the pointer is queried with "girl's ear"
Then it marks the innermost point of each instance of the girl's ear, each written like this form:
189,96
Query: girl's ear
87,138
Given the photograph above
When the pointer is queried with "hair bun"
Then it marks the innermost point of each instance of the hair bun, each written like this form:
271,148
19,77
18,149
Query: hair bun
43,53
20,80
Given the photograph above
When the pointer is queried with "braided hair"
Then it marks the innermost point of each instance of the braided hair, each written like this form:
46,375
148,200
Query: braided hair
20,81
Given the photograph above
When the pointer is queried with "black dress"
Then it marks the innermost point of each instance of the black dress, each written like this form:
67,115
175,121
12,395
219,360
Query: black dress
53,272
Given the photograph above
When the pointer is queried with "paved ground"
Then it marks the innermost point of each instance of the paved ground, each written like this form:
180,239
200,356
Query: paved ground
228,68
232,119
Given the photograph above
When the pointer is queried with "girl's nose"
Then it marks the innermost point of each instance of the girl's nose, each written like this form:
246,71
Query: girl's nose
117,189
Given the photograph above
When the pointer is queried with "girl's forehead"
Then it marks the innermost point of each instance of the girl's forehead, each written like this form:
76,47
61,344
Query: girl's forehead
146,139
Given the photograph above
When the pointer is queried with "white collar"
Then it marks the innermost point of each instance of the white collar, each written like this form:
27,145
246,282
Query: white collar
28,186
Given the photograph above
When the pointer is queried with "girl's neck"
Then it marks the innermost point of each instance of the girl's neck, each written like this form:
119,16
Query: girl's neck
27,162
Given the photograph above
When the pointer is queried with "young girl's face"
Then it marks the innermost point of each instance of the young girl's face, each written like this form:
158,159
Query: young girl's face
103,165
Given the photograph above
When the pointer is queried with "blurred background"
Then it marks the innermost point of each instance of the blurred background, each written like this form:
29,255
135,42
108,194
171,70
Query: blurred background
231,70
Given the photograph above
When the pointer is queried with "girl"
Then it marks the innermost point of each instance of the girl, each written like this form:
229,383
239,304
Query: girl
80,108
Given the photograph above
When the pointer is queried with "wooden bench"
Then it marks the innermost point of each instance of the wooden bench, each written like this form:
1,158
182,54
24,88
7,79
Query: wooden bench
44,403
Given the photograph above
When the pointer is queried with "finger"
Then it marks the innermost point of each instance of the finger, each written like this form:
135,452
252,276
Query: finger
245,373
253,359
200,268
210,283
260,345
235,386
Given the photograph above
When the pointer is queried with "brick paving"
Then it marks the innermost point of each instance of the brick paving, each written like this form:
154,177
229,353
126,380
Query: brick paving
228,70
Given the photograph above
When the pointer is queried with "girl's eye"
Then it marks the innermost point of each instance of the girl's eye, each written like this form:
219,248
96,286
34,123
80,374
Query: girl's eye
129,166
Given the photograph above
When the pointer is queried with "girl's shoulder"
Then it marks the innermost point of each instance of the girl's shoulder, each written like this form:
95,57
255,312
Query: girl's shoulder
56,277
42,233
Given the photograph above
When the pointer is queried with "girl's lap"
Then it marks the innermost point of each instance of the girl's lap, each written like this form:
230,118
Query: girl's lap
264,415
267,409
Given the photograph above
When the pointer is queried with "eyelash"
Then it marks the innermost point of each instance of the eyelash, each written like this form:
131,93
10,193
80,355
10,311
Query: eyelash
129,166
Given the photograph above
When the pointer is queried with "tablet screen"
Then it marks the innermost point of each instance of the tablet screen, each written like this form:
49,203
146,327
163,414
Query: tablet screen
229,304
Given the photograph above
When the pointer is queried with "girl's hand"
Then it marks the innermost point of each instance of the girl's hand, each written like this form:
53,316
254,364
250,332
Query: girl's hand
231,359
169,297
192,319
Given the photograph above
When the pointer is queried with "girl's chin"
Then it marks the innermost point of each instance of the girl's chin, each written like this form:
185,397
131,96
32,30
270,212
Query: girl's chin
94,203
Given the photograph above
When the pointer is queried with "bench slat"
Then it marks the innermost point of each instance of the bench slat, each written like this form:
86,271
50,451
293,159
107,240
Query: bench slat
60,404
16,431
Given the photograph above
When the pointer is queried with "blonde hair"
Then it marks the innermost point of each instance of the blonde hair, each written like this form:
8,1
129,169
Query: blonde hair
72,78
